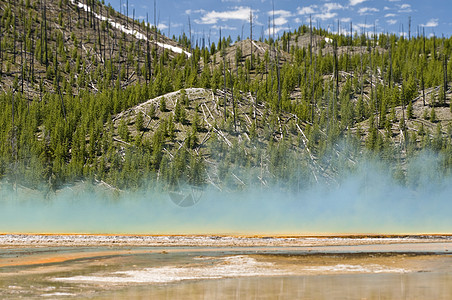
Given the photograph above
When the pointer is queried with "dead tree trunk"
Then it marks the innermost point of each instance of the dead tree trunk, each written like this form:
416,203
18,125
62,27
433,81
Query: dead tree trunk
223,53
62,103
336,80
444,73
313,84
22,50
13,131
155,32
45,34
423,85
233,100
311,79
278,75
148,54
1,52
251,39
14,39
409,28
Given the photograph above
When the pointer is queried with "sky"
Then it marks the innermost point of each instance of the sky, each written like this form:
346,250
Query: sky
232,16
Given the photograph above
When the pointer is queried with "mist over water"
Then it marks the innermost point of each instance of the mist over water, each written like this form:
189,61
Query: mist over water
368,200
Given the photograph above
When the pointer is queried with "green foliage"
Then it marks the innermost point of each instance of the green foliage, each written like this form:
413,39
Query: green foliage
123,130
295,116
162,104
139,121
179,113
409,110
433,115
425,115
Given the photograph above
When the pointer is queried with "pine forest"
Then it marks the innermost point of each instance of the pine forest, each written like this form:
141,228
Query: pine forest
88,94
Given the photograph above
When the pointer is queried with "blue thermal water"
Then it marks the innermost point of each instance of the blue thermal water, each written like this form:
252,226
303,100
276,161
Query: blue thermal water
367,201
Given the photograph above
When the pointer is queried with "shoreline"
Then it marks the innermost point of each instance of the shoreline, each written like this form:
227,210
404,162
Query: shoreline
251,235
8,240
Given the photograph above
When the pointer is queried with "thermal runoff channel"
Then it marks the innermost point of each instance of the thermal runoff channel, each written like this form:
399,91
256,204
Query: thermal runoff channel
367,200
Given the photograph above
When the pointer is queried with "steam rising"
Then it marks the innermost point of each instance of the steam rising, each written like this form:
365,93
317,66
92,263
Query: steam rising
368,200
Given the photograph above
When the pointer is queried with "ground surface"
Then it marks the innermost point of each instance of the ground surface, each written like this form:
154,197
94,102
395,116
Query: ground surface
225,267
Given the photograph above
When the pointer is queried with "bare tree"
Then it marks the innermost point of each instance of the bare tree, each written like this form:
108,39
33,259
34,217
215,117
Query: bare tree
14,39
251,38
45,33
1,52
223,53
148,51
233,100
409,28
22,48
336,79
278,75
155,29
13,131
189,32
444,72
422,67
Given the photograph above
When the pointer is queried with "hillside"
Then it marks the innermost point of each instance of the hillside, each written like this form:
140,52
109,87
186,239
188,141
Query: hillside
89,94
71,45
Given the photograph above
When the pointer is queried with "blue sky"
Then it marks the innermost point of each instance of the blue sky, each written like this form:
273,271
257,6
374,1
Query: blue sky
207,16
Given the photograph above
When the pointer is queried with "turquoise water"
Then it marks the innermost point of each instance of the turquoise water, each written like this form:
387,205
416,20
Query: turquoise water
348,208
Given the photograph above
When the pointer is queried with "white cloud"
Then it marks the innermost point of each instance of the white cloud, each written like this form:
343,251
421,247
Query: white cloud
224,27
390,15
280,12
277,29
162,26
198,11
325,16
332,6
386,8
282,18
307,10
346,20
236,1
212,17
355,2
391,21
361,25
393,0
367,10
431,23
323,13
280,21
405,8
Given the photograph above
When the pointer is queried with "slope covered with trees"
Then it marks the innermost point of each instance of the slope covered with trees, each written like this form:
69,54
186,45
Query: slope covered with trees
88,94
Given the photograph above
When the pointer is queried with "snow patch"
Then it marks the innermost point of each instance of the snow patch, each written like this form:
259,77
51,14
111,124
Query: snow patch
124,29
